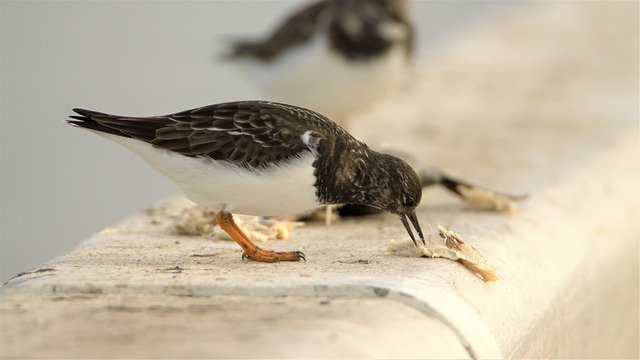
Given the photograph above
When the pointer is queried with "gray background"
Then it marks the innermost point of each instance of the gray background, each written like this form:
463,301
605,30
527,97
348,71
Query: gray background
59,184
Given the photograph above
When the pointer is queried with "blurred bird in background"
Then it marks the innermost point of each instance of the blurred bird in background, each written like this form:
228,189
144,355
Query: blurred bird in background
339,57
336,57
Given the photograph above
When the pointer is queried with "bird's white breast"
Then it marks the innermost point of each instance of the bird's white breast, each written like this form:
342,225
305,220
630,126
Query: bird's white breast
280,189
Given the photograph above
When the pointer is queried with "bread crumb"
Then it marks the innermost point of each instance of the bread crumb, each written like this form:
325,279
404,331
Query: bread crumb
448,245
199,220
196,220
485,199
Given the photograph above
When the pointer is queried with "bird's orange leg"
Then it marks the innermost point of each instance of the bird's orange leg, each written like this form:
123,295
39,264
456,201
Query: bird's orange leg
251,250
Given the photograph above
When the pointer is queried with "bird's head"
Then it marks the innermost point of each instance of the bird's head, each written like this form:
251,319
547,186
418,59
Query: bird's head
400,194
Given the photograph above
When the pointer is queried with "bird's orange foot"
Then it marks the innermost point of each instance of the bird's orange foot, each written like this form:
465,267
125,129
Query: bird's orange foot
251,250
263,255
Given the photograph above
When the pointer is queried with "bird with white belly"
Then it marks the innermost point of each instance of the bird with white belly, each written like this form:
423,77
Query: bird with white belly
336,57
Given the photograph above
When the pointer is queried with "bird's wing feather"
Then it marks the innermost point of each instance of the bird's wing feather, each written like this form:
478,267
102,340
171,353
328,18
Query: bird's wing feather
249,133
296,29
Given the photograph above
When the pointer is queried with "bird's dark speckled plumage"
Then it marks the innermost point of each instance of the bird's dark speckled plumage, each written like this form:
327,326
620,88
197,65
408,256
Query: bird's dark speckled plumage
246,133
355,29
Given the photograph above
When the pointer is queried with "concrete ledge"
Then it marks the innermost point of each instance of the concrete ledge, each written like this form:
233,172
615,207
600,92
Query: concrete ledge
548,106
132,326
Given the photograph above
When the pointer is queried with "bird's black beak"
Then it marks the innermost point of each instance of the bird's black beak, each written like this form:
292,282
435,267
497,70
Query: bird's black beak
414,221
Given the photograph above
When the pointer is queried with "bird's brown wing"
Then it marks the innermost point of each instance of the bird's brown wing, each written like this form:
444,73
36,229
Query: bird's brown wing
247,133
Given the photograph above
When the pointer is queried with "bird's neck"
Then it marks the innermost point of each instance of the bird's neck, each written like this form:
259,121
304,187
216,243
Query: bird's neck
349,175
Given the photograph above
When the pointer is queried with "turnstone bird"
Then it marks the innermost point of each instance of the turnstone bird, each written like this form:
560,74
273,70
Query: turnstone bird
263,158
335,57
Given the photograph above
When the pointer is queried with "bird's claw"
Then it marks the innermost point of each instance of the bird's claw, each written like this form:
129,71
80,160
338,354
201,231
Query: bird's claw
262,255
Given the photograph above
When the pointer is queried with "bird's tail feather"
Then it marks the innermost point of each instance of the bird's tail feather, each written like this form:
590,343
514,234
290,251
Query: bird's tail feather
84,120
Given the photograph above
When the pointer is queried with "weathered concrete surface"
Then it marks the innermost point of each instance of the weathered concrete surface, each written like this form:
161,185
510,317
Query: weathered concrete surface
547,104
161,326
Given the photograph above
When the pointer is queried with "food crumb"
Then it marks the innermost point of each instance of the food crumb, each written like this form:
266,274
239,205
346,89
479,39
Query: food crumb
485,199
448,245
199,220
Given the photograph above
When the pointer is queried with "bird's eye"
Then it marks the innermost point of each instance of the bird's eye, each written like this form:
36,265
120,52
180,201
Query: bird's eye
409,202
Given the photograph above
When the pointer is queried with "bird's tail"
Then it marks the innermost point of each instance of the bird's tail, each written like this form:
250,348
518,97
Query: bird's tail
141,128
85,120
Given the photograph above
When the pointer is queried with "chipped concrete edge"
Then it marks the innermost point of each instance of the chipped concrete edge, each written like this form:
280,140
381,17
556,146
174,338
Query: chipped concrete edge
474,336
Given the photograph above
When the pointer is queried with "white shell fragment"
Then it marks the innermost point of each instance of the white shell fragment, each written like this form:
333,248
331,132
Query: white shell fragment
448,245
